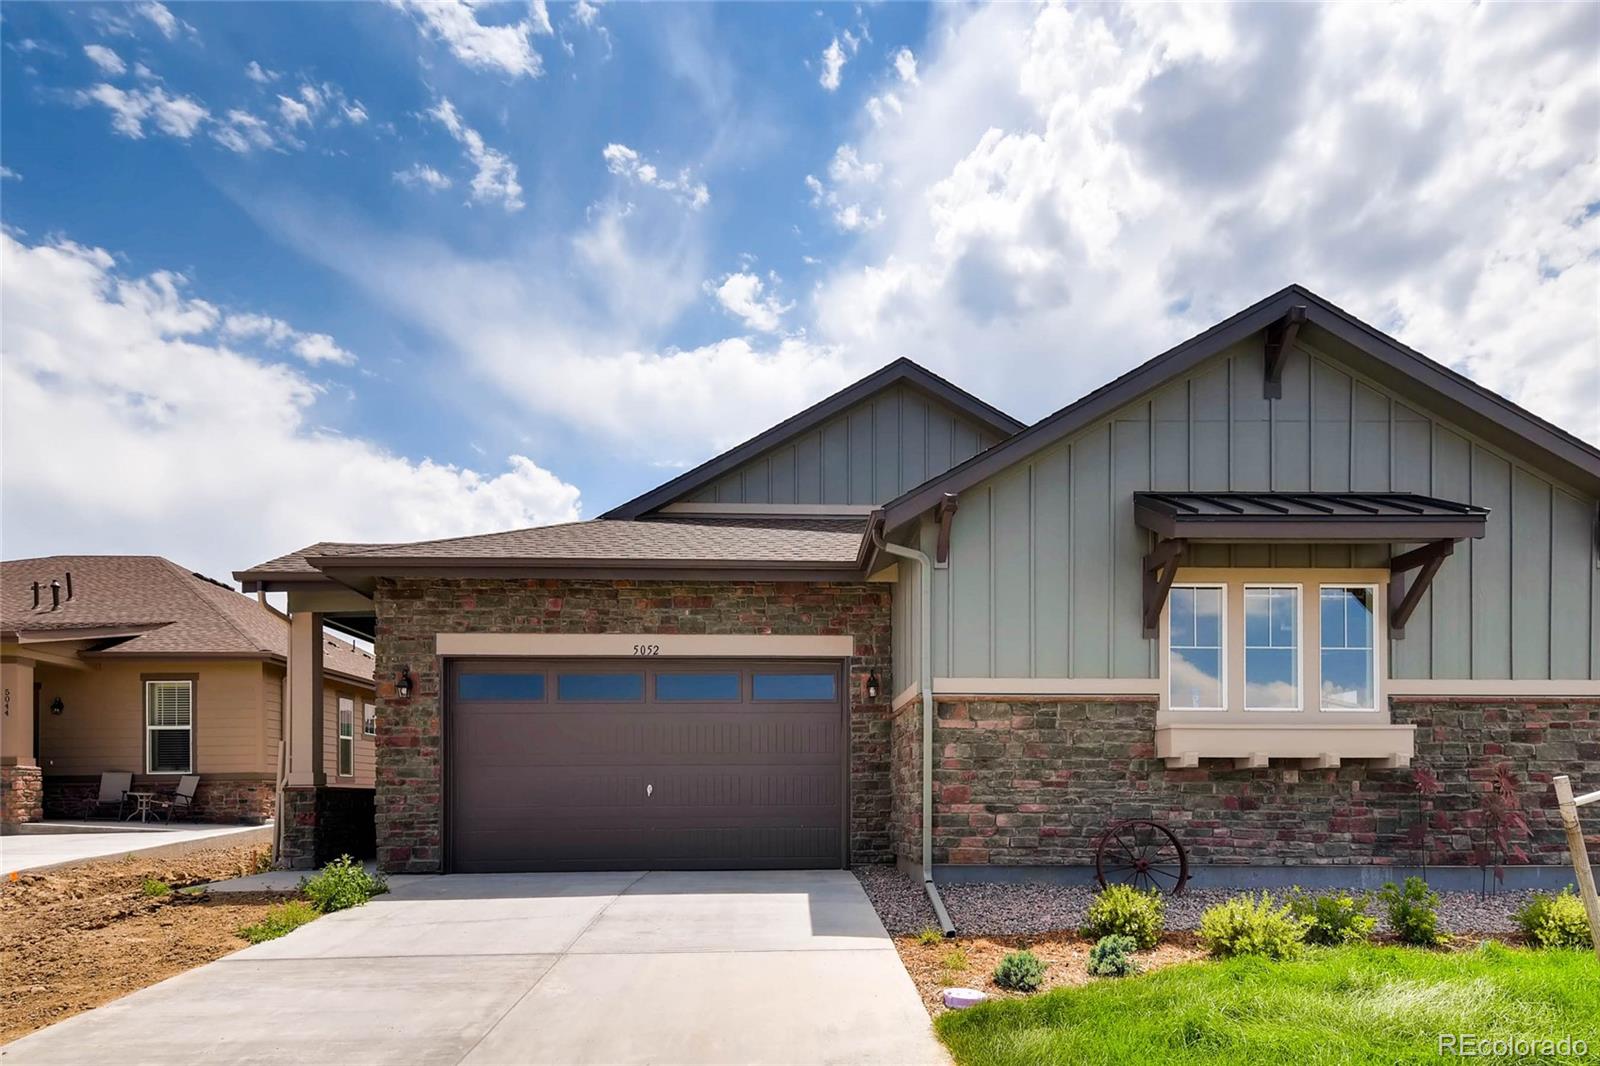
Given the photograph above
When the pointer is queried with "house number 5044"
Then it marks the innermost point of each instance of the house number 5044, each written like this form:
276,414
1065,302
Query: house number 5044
647,649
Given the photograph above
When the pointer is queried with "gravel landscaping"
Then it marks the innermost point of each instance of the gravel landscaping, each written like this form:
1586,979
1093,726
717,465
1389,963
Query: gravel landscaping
1002,909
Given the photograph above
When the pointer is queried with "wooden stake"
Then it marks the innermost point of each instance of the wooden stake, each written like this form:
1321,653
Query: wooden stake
1580,854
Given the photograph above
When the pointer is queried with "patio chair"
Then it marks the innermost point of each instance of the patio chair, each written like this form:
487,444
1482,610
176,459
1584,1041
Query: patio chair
181,802
114,786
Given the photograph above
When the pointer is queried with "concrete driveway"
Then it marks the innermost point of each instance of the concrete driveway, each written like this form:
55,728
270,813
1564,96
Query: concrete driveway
782,967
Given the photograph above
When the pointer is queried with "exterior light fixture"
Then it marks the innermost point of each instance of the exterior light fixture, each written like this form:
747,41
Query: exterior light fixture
872,685
403,684
57,706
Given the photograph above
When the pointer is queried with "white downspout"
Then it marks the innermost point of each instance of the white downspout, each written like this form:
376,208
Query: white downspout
925,664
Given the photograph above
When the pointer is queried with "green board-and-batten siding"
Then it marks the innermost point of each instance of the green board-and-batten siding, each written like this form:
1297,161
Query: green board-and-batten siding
1044,571
866,455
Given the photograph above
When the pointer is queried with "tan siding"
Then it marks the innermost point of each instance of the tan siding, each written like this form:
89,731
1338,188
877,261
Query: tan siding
364,761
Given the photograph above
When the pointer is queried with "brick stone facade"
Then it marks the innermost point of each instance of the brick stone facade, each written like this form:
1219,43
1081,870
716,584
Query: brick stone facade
21,794
1034,781
412,611
321,824
905,778
231,801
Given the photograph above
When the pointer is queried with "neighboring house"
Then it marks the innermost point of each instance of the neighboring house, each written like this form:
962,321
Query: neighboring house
1241,589
132,663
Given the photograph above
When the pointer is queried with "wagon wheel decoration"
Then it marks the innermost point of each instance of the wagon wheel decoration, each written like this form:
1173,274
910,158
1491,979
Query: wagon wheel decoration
1143,854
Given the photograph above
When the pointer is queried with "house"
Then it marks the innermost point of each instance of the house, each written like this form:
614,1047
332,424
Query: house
132,663
1241,589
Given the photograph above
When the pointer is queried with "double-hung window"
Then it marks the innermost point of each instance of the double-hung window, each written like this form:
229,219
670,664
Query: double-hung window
347,739
1272,647
369,718
1196,663
169,727
1349,661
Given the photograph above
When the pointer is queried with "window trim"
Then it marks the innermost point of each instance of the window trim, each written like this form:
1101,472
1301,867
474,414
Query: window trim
642,697
191,681
345,742
1379,635
1222,650
1300,645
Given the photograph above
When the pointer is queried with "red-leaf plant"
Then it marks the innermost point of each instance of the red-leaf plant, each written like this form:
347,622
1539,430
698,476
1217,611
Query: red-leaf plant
1427,786
1501,812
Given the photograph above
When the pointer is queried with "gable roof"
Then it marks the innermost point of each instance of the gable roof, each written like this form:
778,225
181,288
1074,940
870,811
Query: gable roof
151,607
901,371
1454,394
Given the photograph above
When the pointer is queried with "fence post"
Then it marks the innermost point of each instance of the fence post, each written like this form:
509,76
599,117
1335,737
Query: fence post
1580,853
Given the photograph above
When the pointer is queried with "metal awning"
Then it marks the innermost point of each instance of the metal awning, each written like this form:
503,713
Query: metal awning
1322,517
1177,518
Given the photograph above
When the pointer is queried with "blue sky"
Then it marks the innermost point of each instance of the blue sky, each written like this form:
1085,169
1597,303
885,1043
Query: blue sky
278,273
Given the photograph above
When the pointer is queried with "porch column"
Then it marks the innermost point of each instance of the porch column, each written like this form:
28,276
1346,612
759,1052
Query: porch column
304,720
21,780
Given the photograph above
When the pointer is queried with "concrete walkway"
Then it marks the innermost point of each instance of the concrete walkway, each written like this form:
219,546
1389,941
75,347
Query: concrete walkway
61,846
539,968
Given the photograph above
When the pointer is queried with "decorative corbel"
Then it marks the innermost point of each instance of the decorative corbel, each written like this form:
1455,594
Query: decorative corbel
944,514
1402,600
1280,342
1160,570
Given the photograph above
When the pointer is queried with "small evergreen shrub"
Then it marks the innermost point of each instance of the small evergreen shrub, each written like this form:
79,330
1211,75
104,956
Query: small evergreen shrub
284,918
1413,912
152,887
1112,956
1554,921
1333,918
1247,925
342,883
1122,910
1020,971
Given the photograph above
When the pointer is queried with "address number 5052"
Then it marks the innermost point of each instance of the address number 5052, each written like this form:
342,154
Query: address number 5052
647,649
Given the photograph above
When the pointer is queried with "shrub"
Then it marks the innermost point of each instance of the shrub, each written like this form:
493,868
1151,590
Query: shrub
281,919
1413,912
342,883
1246,925
929,937
152,887
1020,971
1113,957
953,962
1333,918
1554,921
1122,910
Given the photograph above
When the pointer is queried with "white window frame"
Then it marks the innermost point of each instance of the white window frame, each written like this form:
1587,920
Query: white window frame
187,683
1299,647
369,714
1379,635
1222,650
346,754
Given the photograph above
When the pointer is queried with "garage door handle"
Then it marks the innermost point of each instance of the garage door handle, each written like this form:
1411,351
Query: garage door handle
649,790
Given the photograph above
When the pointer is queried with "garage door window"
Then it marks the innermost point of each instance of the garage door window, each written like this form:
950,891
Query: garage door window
600,687
501,686
697,686
794,687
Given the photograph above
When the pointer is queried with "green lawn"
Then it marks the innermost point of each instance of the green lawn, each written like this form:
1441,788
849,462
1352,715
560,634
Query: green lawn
1338,1005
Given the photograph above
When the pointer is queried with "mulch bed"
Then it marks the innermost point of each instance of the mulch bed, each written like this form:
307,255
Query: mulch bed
75,937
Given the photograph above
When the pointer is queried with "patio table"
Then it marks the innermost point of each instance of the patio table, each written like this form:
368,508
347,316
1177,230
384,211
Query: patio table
142,811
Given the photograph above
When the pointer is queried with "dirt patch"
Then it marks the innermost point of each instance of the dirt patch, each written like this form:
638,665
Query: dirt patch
76,937
969,962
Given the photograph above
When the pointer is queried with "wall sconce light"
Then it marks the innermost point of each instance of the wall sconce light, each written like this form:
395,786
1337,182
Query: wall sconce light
872,685
56,706
403,684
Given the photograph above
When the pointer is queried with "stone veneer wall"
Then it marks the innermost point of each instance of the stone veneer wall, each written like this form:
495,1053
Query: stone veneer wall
905,776
412,611
1034,781
21,794
321,824
247,801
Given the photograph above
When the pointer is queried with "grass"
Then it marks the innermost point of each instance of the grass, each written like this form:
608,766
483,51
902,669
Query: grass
1337,1005
280,920
152,887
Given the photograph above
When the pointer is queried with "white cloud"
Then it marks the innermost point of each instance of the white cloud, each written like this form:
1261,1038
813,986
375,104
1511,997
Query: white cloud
259,74
179,116
420,175
587,11
7,174
312,347
496,177
294,112
851,182
240,131
743,295
834,57
198,452
625,162
164,20
503,47
905,66
104,58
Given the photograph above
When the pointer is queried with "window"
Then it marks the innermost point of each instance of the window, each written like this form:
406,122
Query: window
1271,647
501,686
369,718
1194,666
613,687
794,687
169,727
697,686
347,740
1349,659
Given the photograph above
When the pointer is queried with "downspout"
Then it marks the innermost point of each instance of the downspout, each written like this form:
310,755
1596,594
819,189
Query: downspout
925,664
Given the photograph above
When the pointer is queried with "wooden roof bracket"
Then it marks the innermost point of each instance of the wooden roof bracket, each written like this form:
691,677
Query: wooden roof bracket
944,513
1160,570
1280,342
1402,600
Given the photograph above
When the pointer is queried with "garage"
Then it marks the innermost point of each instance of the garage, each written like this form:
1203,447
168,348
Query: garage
605,764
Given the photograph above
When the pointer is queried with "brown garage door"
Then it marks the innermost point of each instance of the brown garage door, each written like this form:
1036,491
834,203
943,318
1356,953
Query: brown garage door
667,765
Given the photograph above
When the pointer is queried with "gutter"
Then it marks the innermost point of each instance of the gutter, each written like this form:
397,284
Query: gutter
925,663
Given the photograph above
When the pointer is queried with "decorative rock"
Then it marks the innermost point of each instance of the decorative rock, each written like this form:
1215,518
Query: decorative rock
962,998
